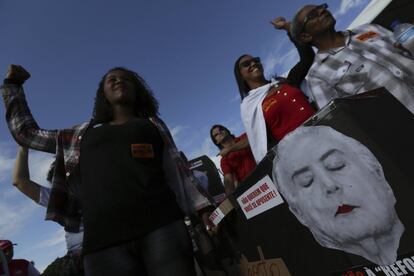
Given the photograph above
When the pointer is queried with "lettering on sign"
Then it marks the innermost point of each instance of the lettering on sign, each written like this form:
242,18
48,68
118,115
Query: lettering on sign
259,198
264,267
403,266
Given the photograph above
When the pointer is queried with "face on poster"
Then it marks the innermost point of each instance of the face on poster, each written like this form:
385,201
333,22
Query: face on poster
336,187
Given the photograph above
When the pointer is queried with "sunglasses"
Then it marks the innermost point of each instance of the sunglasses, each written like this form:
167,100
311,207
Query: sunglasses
312,14
247,63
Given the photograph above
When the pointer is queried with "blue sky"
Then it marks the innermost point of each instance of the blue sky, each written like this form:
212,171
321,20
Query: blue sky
184,49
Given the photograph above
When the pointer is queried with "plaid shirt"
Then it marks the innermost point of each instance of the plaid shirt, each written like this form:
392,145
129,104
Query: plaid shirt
64,205
368,60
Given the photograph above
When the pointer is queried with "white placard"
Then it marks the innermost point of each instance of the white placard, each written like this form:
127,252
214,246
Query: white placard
216,216
259,198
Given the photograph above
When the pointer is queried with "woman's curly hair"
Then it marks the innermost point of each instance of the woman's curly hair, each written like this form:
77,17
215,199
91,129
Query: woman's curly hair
145,105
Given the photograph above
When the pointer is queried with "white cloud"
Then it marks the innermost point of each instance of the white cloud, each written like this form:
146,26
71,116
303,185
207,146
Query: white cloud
49,249
19,214
58,238
41,267
274,56
236,98
13,217
176,131
39,164
7,151
280,60
347,5
216,160
12,214
15,213
207,148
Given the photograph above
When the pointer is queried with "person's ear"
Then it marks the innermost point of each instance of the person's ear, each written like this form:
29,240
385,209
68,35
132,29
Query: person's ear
305,38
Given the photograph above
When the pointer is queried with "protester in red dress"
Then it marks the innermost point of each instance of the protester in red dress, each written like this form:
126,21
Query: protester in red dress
15,266
237,161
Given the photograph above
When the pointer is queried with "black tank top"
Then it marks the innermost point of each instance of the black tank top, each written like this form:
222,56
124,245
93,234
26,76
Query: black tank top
123,192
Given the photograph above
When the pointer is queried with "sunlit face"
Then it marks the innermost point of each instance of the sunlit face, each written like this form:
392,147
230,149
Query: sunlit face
338,195
316,19
119,87
219,134
251,68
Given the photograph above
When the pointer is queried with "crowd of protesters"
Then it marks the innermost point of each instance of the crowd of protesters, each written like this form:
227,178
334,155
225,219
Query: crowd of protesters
130,212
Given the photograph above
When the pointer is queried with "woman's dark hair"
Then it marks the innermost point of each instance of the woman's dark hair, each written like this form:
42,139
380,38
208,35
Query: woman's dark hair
145,104
241,83
221,128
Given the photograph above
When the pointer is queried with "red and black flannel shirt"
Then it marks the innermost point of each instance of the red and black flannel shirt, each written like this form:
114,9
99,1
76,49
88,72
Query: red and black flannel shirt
64,206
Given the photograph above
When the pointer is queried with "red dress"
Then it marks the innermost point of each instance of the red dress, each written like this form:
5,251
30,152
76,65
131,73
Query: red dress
17,267
285,110
239,163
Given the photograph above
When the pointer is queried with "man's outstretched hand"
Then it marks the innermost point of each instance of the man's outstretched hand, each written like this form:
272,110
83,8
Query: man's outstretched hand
280,23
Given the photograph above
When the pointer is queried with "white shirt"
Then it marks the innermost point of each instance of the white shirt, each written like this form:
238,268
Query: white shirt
73,240
253,120
368,61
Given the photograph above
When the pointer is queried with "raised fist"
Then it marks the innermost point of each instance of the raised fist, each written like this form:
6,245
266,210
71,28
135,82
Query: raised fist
17,73
280,23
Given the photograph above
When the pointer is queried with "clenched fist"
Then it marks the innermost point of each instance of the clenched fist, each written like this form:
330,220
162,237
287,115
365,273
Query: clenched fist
280,23
17,73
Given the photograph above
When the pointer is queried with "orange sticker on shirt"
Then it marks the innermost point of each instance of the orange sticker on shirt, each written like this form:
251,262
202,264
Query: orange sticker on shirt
366,36
268,103
142,151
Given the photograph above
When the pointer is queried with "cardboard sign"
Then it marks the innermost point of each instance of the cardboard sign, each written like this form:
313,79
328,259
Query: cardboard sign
216,216
264,267
222,210
259,198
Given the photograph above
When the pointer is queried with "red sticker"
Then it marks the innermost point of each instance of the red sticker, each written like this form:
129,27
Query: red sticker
268,103
366,36
142,151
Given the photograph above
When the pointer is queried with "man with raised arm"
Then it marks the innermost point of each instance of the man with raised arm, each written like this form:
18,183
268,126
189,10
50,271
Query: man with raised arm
353,61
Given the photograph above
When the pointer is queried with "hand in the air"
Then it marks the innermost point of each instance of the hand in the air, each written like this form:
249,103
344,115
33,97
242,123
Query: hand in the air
17,73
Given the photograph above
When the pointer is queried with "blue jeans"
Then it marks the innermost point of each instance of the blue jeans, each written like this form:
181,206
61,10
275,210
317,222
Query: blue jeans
163,252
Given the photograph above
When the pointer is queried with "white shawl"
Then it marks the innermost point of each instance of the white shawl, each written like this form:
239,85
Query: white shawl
253,120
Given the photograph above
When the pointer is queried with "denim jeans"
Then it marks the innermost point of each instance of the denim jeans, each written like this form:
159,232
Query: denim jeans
163,252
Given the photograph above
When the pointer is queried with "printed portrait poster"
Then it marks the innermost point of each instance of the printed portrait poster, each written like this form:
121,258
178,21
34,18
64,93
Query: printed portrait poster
338,189
205,170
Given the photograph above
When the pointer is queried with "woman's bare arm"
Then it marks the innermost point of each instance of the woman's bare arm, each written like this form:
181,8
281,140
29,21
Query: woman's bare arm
21,176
